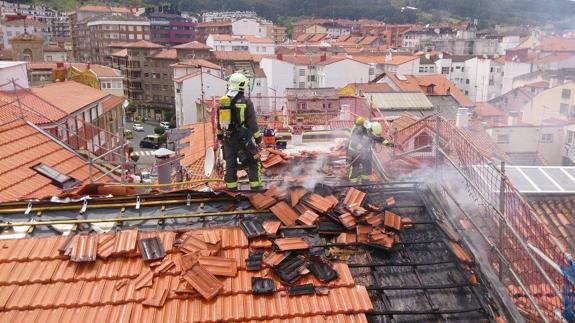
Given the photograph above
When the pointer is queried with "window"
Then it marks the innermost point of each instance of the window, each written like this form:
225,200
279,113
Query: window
48,58
452,69
302,105
61,180
570,136
311,78
564,108
302,72
463,68
547,138
466,92
467,81
422,140
502,139
301,85
491,70
566,94
445,70
457,67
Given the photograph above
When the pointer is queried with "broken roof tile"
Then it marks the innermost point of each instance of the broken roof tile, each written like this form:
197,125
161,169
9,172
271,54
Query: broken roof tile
317,202
392,221
451,235
373,219
305,289
272,160
381,238
152,248
276,192
165,266
261,202
345,237
271,226
125,241
333,199
460,253
106,245
353,196
158,298
347,220
274,258
294,243
323,271
203,281
263,286
252,228
254,261
261,243
193,244
327,226
285,213
362,232
308,218
145,279
219,266
211,236
296,193
84,248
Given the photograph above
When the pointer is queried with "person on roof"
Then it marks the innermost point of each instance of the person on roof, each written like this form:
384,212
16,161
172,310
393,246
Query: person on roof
363,135
238,133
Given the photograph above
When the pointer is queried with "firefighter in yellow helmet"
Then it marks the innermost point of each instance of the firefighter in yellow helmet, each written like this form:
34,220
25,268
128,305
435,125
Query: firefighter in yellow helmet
363,135
238,133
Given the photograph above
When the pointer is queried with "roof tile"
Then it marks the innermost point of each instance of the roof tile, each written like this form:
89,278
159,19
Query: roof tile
219,266
285,213
294,243
203,281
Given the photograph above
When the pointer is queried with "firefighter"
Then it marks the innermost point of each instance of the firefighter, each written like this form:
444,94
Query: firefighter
239,134
363,135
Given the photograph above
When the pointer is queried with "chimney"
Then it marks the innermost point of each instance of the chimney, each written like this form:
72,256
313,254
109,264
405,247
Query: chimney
513,118
462,118
440,55
428,55
323,57
280,56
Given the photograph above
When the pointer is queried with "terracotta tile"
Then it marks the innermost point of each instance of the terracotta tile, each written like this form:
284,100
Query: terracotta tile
69,294
5,269
19,251
46,249
106,245
219,266
203,281
212,236
158,299
233,238
271,226
308,218
187,261
84,248
460,253
381,238
392,221
362,232
120,314
353,196
261,243
262,202
276,192
294,243
126,241
192,244
164,266
451,235
145,279
169,312
346,238
5,294
373,219
240,255
272,160
302,208
91,293
285,213
356,210
347,220
274,258
87,271
317,202
296,193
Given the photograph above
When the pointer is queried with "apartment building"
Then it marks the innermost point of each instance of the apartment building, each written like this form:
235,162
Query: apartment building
96,34
168,27
204,29
249,43
16,27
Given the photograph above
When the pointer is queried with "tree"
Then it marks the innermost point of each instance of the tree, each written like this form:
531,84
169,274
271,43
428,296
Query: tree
135,159
159,130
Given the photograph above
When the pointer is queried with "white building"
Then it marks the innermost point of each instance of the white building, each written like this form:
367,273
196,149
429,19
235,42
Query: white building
402,64
251,27
14,28
188,92
311,71
13,71
252,44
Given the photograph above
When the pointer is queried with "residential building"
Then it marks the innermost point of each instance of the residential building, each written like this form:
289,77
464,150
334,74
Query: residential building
27,47
213,16
466,42
204,29
402,64
555,103
422,38
303,71
251,44
55,54
277,33
97,33
333,27
141,74
16,27
316,101
251,27
57,21
394,104
168,27
158,82
90,11
235,61
193,49
191,88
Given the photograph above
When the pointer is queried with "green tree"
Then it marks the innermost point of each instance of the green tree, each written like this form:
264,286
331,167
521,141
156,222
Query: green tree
159,130
135,159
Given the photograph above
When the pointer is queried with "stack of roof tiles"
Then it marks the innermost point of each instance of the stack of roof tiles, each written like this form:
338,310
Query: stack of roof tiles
166,276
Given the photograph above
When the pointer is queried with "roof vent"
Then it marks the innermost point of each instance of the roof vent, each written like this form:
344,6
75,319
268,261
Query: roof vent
63,181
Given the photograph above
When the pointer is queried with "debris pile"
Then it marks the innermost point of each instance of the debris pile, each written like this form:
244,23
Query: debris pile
276,162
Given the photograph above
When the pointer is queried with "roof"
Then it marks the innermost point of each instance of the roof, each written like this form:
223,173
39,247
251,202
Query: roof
232,56
214,24
192,45
527,159
196,148
194,62
558,214
165,54
77,96
121,53
400,101
553,58
53,49
441,86
143,44
557,44
311,93
393,60
539,85
98,70
24,146
485,109
26,37
24,22
354,89
105,9
115,17
311,59
112,102
542,179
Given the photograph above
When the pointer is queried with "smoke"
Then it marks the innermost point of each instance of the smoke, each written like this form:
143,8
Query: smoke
312,172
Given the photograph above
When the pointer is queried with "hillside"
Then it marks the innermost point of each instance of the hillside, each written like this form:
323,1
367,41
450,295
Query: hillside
487,11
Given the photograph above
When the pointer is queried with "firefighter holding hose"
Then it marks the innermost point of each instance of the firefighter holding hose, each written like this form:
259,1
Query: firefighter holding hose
238,133
363,135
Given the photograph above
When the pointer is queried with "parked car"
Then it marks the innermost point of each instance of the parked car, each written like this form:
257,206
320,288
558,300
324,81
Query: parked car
150,141
137,127
145,178
165,125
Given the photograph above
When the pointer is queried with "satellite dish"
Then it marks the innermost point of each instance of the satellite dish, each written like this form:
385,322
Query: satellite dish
125,104
209,162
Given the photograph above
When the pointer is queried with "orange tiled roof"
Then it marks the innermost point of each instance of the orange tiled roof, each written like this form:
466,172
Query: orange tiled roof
112,102
121,53
192,45
559,57
382,59
77,96
557,44
558,214
46,285
142,44
232,56
442,86
195,61
99,70
165,54
485,109
196,148
23,146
